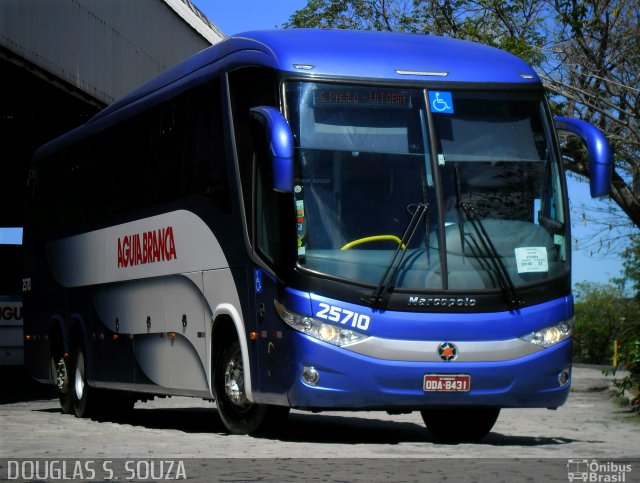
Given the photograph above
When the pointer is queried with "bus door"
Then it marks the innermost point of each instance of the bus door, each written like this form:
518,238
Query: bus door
270,339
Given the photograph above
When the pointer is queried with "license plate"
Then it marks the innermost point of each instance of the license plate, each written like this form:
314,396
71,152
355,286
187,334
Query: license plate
447,383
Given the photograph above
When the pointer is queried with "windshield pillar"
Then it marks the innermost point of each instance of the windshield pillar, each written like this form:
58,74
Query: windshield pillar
433,147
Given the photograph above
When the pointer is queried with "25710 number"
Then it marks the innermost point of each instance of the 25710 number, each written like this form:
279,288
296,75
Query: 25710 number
343,316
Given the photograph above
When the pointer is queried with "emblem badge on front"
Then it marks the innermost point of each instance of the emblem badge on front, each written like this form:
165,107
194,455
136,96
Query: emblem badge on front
447,351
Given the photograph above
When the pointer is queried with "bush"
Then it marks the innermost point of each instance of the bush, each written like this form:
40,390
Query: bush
629,360
603,314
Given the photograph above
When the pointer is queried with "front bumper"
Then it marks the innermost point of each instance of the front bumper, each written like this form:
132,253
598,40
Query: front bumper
353,381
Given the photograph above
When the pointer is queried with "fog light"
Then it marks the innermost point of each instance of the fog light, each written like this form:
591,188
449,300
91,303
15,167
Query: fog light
310,376
563,377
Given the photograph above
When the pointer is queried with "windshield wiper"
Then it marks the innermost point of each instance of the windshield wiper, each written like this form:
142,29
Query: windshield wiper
392,267
504,279
554,227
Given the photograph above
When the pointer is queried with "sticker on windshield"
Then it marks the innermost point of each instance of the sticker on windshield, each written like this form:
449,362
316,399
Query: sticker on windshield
532,259
441,102
300,226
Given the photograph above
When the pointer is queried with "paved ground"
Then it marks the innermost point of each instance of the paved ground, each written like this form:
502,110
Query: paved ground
588,427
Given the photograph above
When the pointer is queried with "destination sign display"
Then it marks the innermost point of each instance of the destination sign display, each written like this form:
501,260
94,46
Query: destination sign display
361,97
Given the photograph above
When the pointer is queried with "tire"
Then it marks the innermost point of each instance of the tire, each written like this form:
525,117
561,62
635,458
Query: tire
81,394
61,374
460,425
237,413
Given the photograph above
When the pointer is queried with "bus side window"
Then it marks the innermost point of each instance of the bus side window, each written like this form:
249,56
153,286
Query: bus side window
267,224
121,165
251,87
165,162
205,172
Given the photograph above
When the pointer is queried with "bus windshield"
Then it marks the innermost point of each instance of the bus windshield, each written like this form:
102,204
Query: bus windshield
480,161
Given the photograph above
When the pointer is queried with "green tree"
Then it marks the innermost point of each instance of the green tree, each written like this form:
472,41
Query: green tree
512,25
389,15
592,68
631,265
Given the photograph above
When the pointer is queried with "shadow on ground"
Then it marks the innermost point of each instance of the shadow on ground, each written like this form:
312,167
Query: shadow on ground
308,428
19,386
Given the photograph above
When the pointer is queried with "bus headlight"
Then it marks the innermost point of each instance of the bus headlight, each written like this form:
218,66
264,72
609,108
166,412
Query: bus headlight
325,332
551,335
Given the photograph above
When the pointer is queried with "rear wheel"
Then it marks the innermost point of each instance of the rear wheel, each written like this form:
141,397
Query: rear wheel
238,414
458,425
83,399
61,374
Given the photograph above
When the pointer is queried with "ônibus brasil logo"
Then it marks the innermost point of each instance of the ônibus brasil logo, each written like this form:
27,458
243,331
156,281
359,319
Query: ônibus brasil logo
148,247
596,471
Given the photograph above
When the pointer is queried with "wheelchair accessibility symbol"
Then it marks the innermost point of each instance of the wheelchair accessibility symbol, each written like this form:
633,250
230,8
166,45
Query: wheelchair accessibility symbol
441,102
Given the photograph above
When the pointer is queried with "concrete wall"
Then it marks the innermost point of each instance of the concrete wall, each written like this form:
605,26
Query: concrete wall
105,48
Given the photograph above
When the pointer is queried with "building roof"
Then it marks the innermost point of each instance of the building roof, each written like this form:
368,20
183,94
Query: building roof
196,19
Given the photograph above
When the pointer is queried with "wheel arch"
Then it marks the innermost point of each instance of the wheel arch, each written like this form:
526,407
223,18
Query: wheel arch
227,321
58,339
58,343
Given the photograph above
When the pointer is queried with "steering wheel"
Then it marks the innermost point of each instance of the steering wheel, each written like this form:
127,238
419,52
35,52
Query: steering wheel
375,238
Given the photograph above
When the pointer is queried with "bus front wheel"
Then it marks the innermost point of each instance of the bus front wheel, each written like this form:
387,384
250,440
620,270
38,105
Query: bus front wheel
462,424
238,414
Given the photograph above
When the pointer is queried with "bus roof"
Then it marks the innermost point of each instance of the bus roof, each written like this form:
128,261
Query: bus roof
380,56
388,55
356,54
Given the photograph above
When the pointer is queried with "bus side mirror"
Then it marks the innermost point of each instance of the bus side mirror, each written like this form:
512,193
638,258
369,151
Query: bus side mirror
600,157
280,141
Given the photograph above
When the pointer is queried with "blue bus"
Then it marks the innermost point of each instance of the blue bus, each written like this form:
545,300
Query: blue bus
319,220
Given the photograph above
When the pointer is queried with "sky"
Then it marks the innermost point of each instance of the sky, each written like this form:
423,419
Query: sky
585,265
235,16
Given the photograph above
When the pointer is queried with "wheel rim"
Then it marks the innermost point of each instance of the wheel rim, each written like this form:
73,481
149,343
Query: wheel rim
79,379
61,375
234,380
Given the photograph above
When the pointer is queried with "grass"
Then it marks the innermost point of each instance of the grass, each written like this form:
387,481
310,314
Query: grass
590,389
622,401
